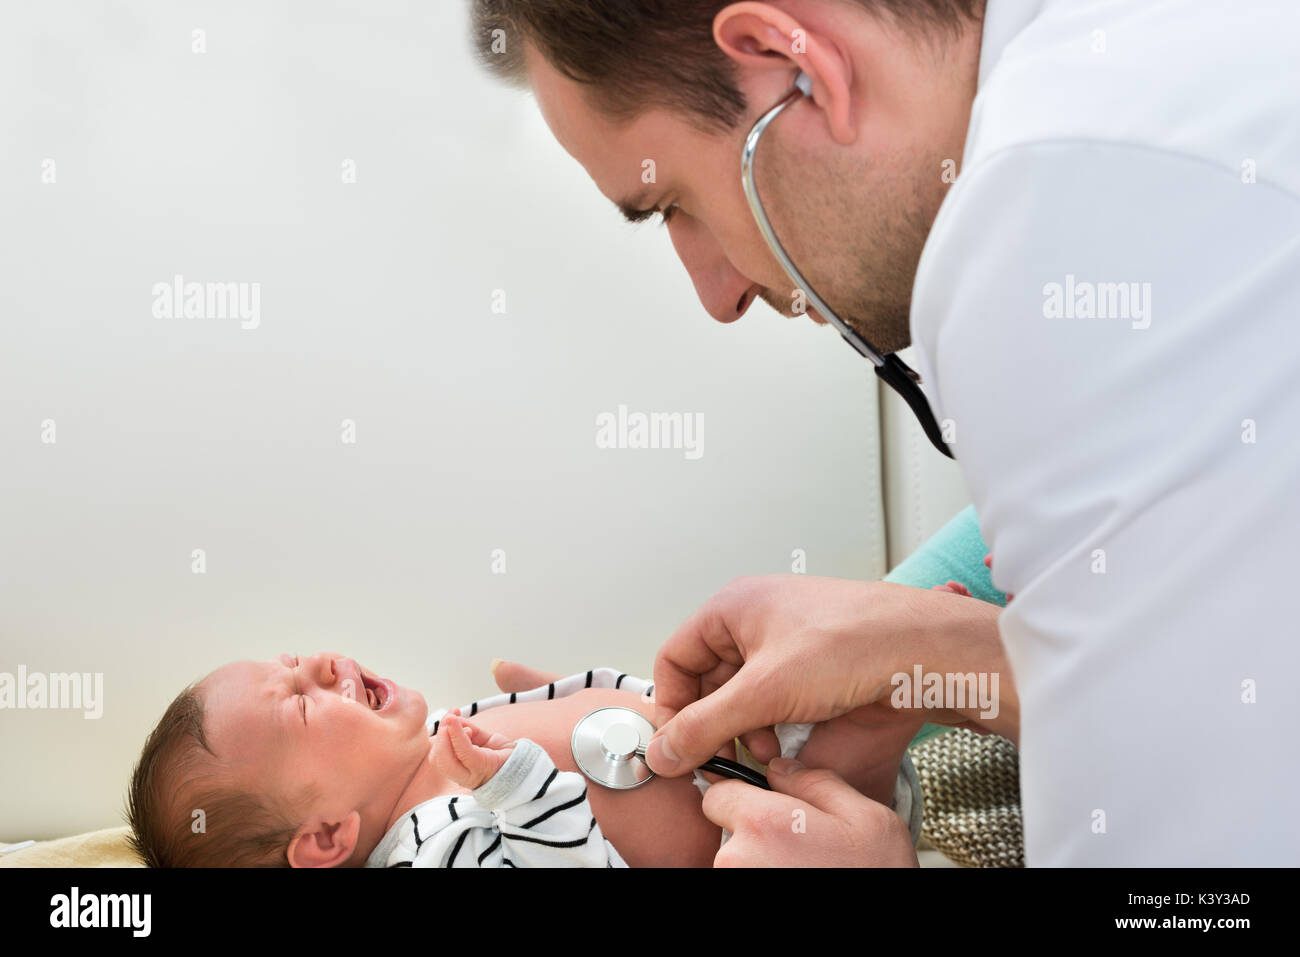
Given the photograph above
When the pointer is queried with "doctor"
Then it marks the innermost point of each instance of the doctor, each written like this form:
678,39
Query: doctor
1085,215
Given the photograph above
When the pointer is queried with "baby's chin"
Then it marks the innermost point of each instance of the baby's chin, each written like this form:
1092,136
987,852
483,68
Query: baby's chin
419,706
412,706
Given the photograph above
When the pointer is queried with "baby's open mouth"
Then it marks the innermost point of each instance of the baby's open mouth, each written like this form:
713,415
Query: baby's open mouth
379,693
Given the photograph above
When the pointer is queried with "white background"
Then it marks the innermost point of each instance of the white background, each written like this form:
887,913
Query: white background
474,431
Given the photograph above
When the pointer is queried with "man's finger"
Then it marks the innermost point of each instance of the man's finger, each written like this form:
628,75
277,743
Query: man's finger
743,808
512,676
687,656
696,732
763,744
818,787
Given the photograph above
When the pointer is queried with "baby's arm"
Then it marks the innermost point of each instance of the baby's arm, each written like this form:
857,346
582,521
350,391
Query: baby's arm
525,813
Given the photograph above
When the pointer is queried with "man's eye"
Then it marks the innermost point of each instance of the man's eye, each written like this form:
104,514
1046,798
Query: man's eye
668,214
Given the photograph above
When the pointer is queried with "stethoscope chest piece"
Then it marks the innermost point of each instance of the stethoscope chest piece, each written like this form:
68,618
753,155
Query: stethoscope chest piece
606,744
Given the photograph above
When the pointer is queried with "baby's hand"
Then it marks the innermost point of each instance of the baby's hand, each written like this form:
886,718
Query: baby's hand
988,563
466,754
957,588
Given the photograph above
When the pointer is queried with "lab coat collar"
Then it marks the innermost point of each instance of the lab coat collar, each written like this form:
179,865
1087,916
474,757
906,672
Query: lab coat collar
1003,20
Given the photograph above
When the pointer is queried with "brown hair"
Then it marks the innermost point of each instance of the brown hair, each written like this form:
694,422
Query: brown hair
177,770
640,53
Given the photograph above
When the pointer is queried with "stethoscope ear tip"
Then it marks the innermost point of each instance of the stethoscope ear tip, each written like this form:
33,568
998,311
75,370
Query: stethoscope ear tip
804,82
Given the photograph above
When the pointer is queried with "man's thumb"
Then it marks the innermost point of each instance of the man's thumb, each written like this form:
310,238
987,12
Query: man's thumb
512,676
695,733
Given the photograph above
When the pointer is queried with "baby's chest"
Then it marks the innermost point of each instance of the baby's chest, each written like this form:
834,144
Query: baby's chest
658,824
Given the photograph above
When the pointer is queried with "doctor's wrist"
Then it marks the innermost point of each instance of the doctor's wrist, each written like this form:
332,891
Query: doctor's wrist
954,636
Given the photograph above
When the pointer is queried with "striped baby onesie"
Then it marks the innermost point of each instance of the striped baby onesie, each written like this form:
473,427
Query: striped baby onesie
528,814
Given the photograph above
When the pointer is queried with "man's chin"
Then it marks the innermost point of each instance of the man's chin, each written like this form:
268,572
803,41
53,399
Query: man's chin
898,342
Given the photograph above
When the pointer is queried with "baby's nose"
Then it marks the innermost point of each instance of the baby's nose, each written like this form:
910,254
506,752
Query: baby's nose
322,667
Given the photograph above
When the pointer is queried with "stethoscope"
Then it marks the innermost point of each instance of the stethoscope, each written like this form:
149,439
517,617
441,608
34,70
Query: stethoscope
609,748
893,370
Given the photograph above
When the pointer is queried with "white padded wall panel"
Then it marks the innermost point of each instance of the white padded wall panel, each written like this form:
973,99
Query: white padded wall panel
923,489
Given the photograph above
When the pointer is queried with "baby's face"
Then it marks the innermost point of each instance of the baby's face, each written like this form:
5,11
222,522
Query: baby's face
321,721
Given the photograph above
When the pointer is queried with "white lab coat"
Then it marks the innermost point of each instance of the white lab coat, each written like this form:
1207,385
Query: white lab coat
1136,475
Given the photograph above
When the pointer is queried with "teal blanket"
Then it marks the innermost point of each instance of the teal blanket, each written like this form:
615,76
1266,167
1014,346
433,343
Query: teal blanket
954,553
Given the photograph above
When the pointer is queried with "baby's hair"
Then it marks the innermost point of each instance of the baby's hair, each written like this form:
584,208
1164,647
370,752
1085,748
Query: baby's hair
178,775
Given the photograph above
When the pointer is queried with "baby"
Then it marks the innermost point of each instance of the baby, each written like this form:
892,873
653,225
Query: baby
317,762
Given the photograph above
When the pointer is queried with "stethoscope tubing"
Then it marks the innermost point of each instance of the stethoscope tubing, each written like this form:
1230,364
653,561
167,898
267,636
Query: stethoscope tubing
892,370
750,187
728,769
732,769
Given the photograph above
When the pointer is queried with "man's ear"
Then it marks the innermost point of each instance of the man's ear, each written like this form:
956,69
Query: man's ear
324,843
759,36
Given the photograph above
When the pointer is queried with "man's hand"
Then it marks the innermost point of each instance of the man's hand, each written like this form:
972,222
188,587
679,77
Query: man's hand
790,648
512,676
810,818
468,754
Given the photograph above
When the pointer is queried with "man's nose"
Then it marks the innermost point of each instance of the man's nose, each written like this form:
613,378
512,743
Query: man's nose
722,289
726,298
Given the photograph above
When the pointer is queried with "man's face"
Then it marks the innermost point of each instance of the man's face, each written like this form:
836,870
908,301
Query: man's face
322,722
853,217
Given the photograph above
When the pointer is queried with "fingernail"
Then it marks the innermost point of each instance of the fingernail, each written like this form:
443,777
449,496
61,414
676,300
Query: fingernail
784,765
497,663
665,758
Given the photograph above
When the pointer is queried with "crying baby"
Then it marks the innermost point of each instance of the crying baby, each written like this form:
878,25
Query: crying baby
318,762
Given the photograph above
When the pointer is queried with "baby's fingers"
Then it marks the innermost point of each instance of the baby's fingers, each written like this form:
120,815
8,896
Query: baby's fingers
445,758
483,739
462,744
988,560
449,747
479,762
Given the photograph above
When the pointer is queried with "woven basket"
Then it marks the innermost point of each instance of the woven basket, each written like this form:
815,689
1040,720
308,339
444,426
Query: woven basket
971,788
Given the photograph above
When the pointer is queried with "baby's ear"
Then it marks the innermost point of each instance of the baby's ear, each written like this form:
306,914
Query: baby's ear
323,843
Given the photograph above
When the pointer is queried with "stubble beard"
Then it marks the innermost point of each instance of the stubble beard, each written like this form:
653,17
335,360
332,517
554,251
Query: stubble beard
855,229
